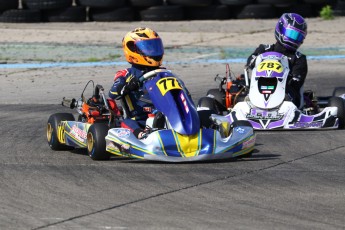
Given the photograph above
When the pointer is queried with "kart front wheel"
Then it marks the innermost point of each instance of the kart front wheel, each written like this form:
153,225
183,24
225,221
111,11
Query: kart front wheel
340,104
53,131
96,144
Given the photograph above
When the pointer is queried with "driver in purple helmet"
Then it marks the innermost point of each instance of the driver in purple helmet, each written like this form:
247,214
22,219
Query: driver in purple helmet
290,32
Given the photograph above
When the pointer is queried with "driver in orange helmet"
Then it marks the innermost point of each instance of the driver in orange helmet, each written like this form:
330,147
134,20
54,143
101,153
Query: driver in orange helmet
143,49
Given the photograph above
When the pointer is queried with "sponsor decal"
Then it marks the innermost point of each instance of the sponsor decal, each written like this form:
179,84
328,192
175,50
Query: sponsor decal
267,87
239,130
122,133
184,103
308,124
266,92
248,144
264,115
78,133
147,109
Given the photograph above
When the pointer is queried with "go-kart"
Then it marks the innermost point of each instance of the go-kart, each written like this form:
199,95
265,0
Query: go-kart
262,100
177,132
96,115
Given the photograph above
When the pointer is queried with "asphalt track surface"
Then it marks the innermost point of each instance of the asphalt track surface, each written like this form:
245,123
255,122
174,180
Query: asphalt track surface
294,180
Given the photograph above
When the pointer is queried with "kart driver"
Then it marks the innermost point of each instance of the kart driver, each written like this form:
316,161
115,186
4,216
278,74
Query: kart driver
290,32
143,49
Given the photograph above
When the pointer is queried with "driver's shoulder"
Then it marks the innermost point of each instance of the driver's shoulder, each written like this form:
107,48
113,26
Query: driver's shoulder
266,47
299,55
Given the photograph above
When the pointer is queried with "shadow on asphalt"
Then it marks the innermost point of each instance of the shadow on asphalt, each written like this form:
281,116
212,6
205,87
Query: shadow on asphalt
254,156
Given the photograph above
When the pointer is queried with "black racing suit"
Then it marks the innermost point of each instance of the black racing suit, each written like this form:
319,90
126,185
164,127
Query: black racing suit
298,69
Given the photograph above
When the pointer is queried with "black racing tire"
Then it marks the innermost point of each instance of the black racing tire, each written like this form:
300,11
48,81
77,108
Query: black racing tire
21,16
47,4
101,3
276,2
339,9
259,11
218,95
162,13
204,116
8,5
321,2
52,130
305,10
146,3
340,104
210,104
70,14
96,144
338,91
111,15
214,12
190,2
236,2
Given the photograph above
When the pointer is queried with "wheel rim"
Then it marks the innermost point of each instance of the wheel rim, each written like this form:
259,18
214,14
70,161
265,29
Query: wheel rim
90,142
49,132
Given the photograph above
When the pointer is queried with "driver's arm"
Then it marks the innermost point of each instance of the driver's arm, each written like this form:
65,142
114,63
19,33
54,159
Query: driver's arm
259,50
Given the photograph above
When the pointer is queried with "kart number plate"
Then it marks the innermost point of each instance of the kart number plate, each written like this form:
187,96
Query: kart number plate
270,65
264,115
166,84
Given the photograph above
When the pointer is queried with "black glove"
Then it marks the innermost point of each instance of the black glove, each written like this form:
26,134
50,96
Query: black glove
132,84
295,81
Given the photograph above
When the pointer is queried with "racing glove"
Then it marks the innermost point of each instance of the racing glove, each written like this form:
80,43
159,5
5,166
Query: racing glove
295,82
251,62
132,84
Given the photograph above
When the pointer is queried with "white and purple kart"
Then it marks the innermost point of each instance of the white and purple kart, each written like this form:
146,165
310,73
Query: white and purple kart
267,107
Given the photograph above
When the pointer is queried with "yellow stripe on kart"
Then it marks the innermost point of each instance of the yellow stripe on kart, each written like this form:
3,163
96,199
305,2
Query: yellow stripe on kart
60,133
243,152
161,144
239,143
188,145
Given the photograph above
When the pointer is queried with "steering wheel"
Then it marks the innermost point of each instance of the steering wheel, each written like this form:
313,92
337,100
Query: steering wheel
151,74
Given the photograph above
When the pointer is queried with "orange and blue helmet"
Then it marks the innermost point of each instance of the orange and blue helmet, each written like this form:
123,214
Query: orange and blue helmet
143,46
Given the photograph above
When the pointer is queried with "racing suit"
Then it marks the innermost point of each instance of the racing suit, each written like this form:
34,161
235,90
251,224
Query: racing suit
298,70
128,89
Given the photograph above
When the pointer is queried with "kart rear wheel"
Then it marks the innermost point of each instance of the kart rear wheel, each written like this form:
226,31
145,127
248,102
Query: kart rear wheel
340,104
219,96
52,130
96,143
210,104
338,91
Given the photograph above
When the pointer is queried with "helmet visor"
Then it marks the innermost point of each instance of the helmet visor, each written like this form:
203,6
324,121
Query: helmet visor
151,47
294,34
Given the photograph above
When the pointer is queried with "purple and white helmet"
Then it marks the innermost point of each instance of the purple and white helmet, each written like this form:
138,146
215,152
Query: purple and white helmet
291,30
